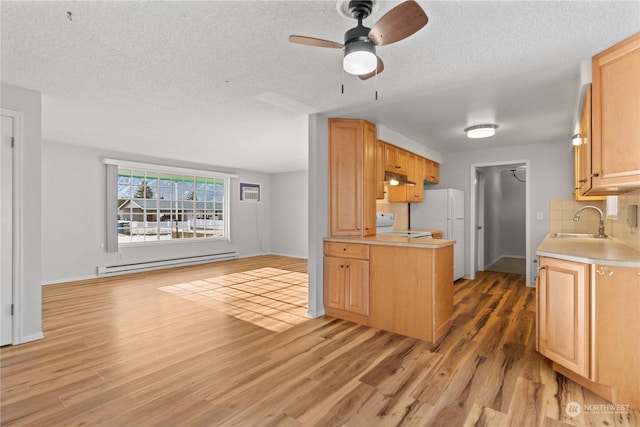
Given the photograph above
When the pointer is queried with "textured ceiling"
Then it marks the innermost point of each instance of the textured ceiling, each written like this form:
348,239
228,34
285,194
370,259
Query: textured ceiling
218,82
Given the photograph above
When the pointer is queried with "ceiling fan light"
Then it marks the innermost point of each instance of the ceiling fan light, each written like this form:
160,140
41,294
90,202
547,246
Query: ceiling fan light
359,58
481,131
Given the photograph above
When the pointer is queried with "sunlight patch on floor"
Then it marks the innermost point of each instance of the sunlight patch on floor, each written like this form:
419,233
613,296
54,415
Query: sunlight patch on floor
268,297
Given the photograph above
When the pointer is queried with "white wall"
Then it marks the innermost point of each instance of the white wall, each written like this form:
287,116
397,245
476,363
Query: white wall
290,214
74,211
27,204
551,177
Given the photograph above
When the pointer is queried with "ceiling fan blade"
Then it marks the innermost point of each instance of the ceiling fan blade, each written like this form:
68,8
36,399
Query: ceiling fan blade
378,70
312,41
399,23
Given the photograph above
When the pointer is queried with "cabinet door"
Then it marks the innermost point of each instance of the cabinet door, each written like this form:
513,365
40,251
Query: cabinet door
346,157
380,166
418,189
334,282
402,160
563,313
617,330
583,151
369,180
615,111
435,172
357,287
390,154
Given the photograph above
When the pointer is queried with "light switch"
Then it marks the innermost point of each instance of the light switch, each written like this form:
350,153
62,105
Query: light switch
540,216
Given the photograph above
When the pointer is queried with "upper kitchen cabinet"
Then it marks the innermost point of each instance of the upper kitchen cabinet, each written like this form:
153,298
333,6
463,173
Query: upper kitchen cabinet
412,193
582,153
431,171
380,166
395,159
352,177
615,127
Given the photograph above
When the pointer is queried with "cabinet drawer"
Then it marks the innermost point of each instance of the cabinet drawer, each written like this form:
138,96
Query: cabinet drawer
347,250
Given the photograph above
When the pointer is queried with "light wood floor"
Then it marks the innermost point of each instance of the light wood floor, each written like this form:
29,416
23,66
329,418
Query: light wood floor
138,351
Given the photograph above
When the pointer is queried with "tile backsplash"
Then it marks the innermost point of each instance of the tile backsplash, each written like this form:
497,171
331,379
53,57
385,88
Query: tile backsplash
561,213
399,210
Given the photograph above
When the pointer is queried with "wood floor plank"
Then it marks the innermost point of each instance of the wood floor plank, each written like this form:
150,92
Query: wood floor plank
228,343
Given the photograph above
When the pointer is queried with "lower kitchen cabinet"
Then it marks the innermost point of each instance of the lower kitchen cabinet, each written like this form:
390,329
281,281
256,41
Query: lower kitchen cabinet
346,281
616,331
589,325
412,290
563,313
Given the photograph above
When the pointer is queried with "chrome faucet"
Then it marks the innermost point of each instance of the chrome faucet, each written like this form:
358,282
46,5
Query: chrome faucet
601,234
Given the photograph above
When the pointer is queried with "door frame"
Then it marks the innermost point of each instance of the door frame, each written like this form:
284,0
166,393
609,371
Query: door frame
473,214
17,282
479,185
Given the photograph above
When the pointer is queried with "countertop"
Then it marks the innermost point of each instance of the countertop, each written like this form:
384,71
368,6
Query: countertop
607,251
391,240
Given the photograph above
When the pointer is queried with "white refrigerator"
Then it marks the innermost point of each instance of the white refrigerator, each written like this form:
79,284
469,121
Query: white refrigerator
443,209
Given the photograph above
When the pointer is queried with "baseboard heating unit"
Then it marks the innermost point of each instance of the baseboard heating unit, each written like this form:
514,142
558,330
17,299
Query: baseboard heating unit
107,270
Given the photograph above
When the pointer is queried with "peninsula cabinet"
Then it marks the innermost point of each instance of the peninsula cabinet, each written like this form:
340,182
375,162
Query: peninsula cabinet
352,177
615,127
346,281
563,313
412,290
588,324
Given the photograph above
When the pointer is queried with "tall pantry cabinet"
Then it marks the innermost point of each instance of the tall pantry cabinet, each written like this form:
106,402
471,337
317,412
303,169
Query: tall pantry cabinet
352,178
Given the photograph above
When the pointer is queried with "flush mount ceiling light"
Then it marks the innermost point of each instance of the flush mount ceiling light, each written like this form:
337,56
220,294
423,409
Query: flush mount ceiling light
481,131
576,140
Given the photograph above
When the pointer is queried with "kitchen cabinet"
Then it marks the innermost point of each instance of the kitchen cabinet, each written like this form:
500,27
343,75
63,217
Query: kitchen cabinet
563,313
588,324
615,128
412,290
411,193
431,171
616,324
380,165
395,159
352,177
582,153
346,281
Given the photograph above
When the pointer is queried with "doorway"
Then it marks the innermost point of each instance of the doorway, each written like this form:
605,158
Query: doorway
6,231
499,218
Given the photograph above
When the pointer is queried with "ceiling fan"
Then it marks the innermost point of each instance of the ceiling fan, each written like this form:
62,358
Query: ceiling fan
360,42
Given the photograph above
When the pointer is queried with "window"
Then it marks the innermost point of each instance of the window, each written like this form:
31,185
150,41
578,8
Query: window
168,204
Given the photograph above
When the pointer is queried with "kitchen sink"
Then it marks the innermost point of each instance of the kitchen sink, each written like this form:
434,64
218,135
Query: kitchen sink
576,236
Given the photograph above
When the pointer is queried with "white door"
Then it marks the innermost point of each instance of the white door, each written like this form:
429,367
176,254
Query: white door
6,233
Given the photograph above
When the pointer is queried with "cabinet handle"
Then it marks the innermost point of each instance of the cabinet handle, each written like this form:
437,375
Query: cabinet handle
358,228
595,175
344,249
544,267
604,270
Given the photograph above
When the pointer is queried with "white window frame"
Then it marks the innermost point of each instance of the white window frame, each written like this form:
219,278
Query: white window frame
166,169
